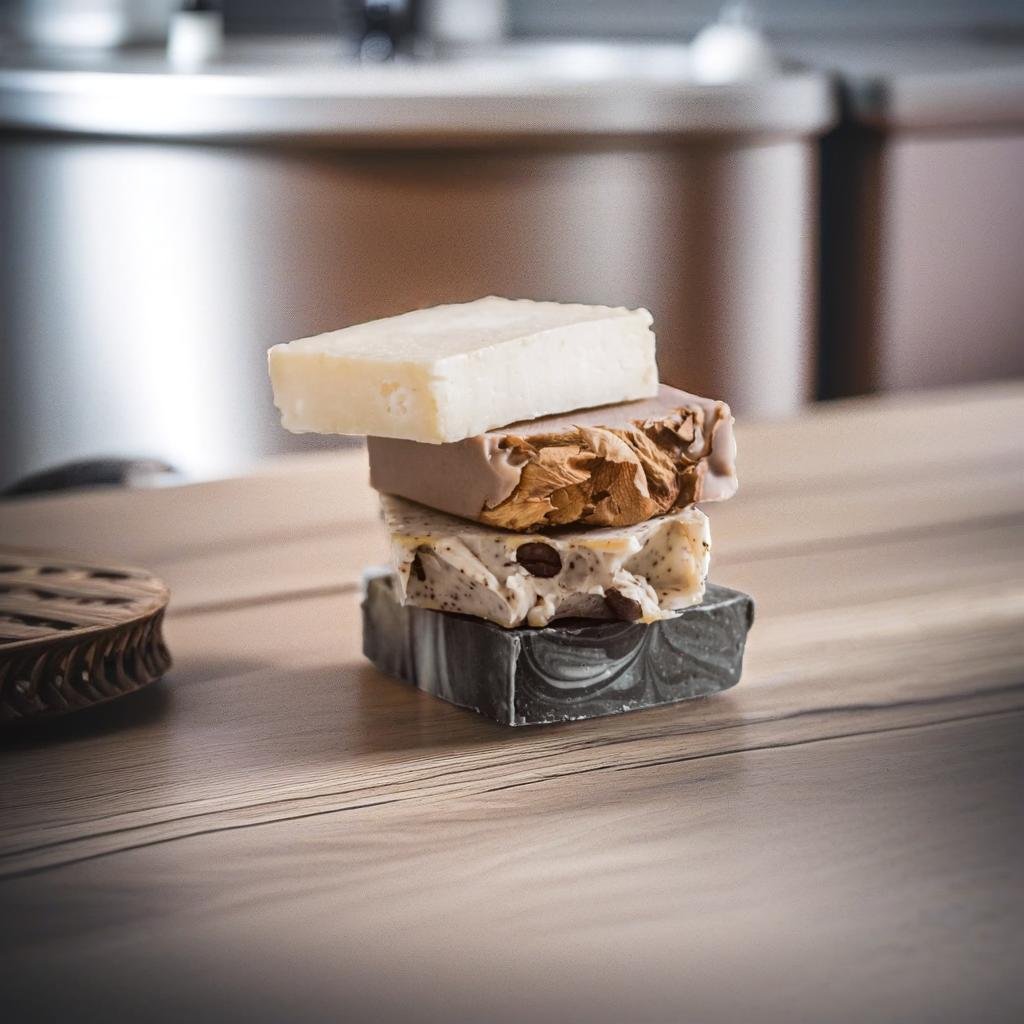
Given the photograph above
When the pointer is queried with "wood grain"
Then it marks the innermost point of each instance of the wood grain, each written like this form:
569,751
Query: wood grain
278,831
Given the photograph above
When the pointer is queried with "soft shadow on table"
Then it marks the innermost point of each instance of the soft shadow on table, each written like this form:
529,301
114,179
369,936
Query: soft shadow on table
383,714
133,710
150,706
386,714
205,670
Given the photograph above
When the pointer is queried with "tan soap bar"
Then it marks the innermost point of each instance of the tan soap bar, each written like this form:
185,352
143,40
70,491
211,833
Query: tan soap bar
611,466
447,373
638,573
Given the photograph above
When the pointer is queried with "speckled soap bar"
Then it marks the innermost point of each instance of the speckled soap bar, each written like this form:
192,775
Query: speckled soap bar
635,573
562,672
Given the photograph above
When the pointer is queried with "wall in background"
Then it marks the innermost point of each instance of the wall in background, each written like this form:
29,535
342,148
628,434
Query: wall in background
658,17
672,17
650,17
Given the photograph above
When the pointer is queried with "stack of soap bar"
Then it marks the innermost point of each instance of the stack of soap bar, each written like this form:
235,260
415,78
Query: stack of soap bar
533,477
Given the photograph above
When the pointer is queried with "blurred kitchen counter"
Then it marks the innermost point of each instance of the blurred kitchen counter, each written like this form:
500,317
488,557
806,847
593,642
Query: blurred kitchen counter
307,90
279,831
163,229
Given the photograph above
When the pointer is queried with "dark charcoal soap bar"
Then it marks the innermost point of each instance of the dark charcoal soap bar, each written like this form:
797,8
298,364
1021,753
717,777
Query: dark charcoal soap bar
561,672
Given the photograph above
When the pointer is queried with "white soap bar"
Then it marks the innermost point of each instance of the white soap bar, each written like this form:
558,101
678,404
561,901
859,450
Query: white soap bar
450,372
639,573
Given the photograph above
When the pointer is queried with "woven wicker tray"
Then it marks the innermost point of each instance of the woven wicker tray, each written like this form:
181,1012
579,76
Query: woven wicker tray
73,635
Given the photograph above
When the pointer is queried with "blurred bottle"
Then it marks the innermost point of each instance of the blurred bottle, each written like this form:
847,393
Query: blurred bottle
464,22
196,35
732,49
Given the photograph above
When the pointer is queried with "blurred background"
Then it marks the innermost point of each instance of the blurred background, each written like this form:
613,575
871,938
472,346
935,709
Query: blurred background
814,198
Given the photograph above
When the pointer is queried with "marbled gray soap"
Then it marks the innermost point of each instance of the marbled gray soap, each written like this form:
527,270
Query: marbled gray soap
572,670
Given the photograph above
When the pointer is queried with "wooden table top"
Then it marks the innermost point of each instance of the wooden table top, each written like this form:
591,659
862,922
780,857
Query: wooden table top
278,830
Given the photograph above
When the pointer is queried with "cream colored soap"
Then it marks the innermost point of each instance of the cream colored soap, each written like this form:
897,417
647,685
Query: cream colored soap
639,573
447,373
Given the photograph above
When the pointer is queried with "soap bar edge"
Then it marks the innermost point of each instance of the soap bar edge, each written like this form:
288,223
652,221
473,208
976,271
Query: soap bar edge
712,638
